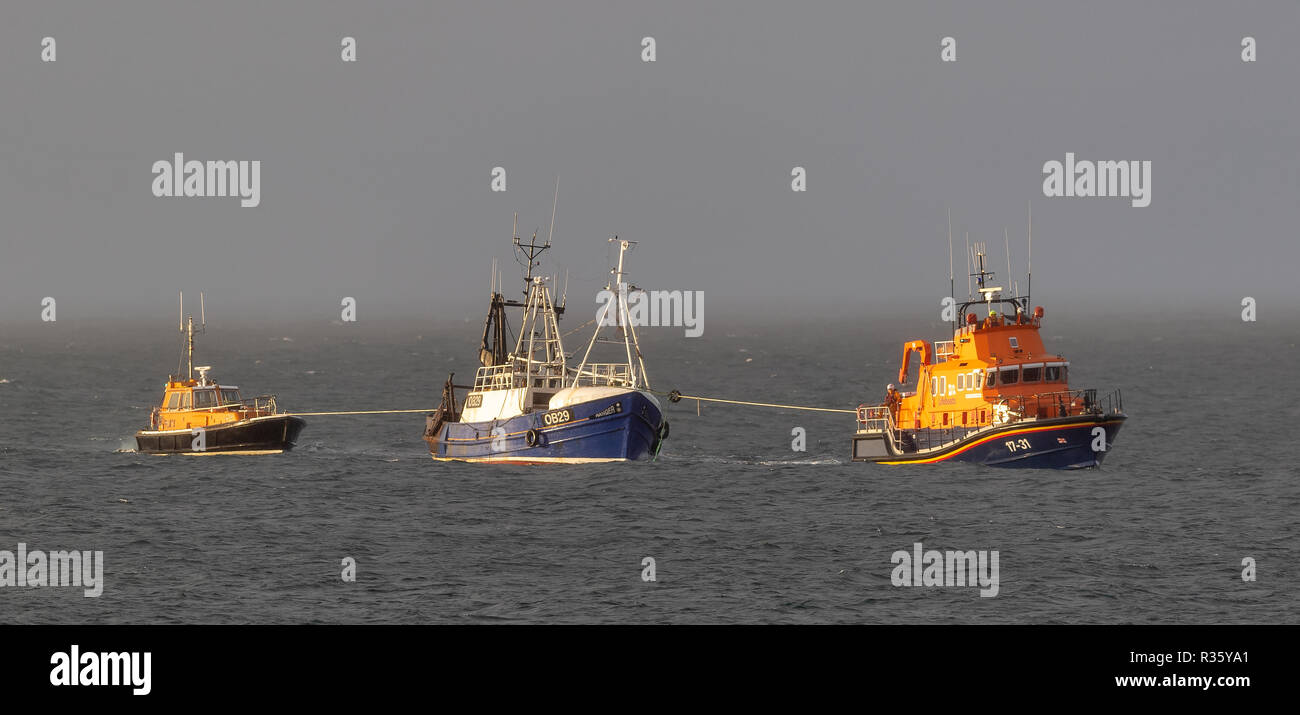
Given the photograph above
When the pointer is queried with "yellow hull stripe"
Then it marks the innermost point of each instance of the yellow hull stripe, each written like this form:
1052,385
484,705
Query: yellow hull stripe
531,460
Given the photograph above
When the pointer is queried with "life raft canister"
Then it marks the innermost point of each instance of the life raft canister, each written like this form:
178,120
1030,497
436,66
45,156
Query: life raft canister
1001,413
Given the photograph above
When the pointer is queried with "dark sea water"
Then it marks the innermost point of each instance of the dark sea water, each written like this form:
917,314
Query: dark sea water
742,528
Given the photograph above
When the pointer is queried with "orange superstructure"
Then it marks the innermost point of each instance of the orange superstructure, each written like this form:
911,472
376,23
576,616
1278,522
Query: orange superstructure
991,369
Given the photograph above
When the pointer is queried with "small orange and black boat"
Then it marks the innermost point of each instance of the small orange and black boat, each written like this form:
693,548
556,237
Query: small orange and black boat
204,417
992,395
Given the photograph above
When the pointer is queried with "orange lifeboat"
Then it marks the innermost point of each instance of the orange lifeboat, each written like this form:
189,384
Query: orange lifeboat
992,395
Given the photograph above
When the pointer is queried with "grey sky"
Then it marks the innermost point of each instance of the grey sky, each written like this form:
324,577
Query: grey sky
375,175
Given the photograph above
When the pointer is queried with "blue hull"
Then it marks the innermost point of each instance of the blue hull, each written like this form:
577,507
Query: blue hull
1064,443
618,428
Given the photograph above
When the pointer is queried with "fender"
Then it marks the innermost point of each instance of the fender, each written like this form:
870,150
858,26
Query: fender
920,346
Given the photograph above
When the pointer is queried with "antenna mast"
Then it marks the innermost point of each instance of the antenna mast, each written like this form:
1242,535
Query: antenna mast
952,286
1006,239
1029,289
554,203
187,327
531,250
969,263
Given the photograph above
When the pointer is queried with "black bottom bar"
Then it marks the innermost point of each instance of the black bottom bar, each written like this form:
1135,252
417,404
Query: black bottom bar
924,664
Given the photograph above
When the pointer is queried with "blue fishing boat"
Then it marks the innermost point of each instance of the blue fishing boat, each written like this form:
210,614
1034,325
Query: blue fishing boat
527,406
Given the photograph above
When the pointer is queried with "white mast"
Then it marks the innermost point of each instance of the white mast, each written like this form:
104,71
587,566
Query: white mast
969,263
637,378
554,203
624,313
1006,239
1029,289
951,285
538,306
949,244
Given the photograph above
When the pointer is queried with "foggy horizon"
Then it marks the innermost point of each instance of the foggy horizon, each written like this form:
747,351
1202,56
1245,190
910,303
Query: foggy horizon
375,174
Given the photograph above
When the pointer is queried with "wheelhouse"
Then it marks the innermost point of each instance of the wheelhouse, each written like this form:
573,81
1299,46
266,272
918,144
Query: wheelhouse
189,403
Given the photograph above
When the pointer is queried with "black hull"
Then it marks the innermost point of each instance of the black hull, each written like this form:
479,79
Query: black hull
1057,443
260,435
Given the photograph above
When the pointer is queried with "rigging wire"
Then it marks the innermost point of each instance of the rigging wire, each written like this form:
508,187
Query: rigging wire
355,412
676,396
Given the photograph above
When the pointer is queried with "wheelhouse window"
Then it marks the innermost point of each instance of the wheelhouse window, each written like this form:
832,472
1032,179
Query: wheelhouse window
1031,374
229,397
185,400
1010,375
992,377
205,398
1056,372
174,401
939,386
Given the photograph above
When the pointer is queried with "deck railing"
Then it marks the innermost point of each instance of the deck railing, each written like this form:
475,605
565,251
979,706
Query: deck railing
497,377
260,403
1064,403
604,374
873,418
